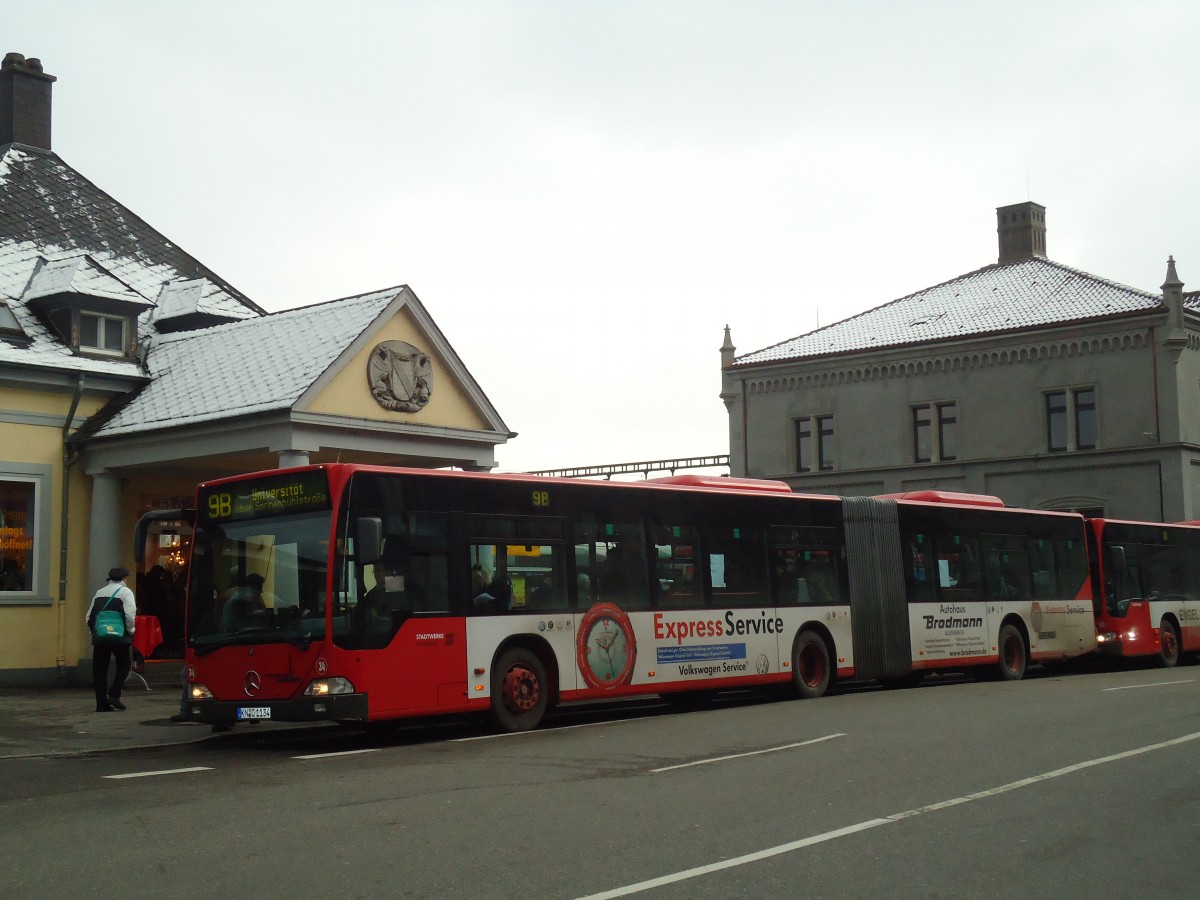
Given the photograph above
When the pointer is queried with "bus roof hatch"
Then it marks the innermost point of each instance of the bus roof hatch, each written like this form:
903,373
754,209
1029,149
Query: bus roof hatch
952,497
724,483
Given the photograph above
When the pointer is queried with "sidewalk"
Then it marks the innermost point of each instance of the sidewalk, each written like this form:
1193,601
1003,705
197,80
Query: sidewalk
62,721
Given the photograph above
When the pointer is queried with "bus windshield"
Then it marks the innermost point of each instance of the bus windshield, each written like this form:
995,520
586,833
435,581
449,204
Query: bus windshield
258,571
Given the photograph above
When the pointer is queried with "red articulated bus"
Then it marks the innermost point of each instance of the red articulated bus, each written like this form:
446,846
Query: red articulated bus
1146,599
358,593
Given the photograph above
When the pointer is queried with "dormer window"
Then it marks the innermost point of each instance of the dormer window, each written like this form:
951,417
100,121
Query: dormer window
101,334
86,306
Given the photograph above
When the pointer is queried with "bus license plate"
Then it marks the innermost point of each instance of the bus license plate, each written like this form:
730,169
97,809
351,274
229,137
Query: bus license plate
254,712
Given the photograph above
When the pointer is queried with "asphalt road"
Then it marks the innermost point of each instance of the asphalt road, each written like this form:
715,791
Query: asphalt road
1083,785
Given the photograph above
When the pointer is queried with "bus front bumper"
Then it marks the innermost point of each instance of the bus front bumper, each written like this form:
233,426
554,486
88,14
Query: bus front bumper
335,708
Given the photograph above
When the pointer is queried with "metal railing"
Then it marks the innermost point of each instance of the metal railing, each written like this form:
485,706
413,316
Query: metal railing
640,468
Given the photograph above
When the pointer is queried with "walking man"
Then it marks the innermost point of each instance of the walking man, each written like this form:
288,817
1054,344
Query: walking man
110,621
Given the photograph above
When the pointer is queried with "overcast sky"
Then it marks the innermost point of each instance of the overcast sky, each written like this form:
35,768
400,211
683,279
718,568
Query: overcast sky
583,194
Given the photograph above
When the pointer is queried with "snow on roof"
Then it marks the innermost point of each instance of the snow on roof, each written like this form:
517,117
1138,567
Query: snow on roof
1027,294
50,213
79,275
251,366
44,349
180,298
60,233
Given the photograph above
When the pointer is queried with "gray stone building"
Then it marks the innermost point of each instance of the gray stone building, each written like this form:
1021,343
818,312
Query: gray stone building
1043,385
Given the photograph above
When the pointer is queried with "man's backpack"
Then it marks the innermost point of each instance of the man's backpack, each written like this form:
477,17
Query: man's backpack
108,626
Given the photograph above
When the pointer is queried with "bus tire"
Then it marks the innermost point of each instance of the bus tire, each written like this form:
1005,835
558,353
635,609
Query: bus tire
520,690
1168,644
811,673
1014,656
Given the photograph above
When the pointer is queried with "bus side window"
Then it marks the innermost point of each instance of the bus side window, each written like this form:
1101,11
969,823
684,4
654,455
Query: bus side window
957,566
1007,566
491,591
1041,561
788,586
428,567
613,557
544,576
675,548
806,566
1160,571
820,576
429,587
1071,565
736,565
922,568
515,561
1190,547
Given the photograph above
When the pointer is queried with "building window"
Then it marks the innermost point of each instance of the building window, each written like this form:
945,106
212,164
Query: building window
922,434
18,511
1056,420
105,334
1085,418
930,443
24,533
1071,420
814,443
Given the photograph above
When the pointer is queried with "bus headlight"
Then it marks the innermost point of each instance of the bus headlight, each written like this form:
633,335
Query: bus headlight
197,691
1106,637
323,687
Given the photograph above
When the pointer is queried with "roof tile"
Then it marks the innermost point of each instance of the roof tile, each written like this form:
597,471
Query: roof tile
1028,294
49,211
255,365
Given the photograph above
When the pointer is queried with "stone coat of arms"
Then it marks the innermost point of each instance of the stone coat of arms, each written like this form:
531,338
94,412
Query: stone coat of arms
400,376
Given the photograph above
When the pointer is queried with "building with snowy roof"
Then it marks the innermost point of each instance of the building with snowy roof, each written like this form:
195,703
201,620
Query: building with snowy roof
130,371
1029,380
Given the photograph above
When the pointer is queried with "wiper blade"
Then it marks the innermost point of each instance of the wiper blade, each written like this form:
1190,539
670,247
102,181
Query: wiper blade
208,647
250,636
302,640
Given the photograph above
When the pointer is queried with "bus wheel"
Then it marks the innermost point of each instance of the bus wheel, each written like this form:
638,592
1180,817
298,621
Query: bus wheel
810,665
519,690
1168,644
1012,653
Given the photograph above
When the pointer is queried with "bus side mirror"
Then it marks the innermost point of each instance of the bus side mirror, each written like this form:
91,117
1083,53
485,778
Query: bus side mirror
368,540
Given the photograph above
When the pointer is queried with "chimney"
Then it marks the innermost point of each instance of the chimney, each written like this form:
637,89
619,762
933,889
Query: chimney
24,102
1022,231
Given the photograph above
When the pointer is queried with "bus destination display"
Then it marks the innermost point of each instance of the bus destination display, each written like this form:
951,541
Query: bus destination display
270,495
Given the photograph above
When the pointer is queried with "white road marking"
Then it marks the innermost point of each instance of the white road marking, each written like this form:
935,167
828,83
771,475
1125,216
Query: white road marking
162,772
509,734
875,823
702,762
1130,687
338,753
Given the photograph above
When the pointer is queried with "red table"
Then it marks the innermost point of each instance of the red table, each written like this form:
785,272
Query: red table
147,634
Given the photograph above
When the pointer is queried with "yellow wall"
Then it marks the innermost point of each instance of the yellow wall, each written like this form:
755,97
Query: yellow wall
30,638
46,402
349,394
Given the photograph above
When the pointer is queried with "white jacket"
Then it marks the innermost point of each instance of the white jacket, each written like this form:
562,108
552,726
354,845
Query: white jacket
125,595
